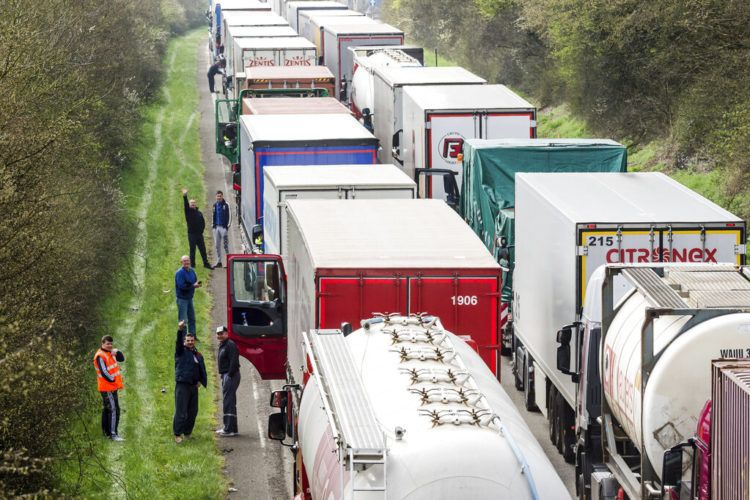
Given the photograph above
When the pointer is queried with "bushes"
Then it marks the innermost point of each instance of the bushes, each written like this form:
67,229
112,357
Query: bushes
72,77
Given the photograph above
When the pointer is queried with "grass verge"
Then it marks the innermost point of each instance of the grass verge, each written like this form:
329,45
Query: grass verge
142,313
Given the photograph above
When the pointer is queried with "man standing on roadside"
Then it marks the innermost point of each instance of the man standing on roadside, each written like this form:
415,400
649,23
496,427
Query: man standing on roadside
185,283
221,220
229,370
109,381
189,373
196,224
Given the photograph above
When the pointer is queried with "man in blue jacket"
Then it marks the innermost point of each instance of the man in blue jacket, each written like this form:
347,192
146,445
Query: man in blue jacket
221,219
189,373
185,283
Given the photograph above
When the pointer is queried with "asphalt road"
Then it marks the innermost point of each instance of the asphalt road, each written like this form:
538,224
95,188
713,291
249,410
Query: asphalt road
255,466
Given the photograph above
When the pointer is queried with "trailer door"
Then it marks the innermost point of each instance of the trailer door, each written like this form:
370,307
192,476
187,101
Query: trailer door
508,125
446,133
465,305
256,311
350,300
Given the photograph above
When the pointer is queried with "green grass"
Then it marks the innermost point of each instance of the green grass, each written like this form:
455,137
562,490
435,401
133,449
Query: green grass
142,313
557,122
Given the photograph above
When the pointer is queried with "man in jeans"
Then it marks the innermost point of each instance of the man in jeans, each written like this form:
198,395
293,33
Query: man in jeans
221,220
196,224
185,283
189,373
229,370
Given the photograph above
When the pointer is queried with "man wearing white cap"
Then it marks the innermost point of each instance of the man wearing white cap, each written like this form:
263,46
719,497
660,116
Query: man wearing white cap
229,370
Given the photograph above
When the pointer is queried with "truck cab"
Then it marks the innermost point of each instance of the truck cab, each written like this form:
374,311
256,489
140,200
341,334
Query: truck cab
256,311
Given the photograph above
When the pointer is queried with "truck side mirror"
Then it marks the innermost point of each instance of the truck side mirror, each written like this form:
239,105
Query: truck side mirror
256,233
278,399
671,468
236,179
277,427
564,335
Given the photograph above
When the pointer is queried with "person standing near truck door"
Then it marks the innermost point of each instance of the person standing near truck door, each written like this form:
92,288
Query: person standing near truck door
215,69
185,283
196,224
189,374
229,370
222,217
109,381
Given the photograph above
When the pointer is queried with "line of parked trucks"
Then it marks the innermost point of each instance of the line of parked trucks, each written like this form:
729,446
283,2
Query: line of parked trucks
418,203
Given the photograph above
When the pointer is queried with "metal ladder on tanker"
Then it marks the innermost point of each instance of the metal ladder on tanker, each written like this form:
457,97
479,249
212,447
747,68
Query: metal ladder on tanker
353,423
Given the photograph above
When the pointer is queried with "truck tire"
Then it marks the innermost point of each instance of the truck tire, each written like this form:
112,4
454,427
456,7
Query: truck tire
568,433
560,405
529,398
552,414
519,355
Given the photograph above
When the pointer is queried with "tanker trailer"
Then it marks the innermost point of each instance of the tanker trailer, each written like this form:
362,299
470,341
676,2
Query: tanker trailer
402,408
649,335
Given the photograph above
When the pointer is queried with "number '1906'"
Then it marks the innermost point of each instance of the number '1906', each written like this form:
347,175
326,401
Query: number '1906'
464,300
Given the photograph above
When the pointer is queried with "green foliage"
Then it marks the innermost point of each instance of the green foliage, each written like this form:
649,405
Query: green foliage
72,78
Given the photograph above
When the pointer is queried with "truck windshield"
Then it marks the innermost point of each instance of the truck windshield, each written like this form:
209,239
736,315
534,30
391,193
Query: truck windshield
255,281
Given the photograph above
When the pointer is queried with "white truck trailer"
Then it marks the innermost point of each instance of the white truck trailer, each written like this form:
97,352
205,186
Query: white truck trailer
568,225
438,118
389,83
337,38
294,9
310,22
396,421
233,53
347,182
645,377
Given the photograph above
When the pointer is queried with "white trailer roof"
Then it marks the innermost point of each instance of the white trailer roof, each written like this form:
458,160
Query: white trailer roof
346,27
387,234
447,97
292,42
244,5
426,75
317,176
315,4
316,15
538,143
250,18
261,31
295,128
622,197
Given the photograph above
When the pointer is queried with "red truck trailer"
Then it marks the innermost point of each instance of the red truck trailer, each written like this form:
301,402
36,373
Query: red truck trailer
350,259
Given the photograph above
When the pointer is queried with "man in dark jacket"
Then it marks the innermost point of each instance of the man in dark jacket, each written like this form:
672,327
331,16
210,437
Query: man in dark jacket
221,219
196,224
229,370
215,69
189,372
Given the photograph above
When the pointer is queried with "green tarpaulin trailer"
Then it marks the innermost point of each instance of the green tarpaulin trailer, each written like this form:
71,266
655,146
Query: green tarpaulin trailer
488,184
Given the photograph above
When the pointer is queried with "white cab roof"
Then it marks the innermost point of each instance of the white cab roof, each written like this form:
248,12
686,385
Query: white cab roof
261,31
359,234
622,197
317,176
249,18
346,27
244,5
295,128
458,97
422,75
292,42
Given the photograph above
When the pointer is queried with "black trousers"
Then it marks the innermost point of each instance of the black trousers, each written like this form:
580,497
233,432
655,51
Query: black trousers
229,386
110,413
185,408
196,239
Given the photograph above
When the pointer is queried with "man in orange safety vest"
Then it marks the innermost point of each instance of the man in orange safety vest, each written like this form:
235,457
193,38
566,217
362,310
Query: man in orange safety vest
109,381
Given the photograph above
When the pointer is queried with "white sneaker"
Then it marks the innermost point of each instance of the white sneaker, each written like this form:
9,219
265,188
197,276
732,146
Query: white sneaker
115,437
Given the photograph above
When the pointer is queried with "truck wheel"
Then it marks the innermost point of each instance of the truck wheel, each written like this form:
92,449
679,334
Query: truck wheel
529,399
560,405
568,433
518,362
552,414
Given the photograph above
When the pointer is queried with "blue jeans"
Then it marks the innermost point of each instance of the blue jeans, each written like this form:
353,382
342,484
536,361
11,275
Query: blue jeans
186,312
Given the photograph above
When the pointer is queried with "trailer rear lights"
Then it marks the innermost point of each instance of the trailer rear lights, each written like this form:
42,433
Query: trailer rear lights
590,226
731,224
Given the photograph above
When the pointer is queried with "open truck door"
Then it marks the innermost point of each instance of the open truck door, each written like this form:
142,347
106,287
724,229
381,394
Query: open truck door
227,129
256,311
